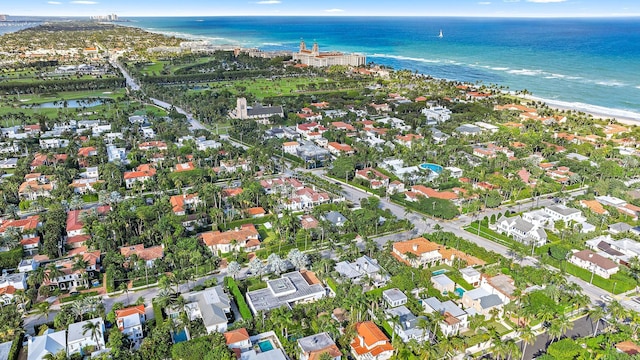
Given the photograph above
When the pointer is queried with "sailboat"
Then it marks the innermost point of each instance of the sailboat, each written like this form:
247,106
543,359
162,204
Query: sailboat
440,35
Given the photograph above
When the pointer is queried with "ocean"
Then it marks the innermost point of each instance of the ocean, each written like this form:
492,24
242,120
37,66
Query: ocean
589,64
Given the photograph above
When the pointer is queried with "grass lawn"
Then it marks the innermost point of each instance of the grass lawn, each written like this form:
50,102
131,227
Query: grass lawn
618,282
489,234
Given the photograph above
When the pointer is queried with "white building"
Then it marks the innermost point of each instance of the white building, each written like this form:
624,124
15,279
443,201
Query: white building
50,343
211,305
594,263
292,288
436,114
454,318
521,230
363,269
54,143
79,337
130,322
116,154
394,297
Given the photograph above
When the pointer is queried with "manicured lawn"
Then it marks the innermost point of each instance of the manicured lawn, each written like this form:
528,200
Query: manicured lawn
619,281
489,234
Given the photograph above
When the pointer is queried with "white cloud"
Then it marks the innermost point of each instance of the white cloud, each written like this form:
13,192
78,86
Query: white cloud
546,1
510,1
269,2
84,2
54,2
484,3
334,10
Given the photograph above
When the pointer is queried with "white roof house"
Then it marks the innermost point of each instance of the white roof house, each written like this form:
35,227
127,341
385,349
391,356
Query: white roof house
394,297
288,290
455,319
211,305
49,343
407,326
362,268
79,338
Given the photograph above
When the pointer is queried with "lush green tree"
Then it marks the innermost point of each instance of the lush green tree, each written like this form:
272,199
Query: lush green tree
210,347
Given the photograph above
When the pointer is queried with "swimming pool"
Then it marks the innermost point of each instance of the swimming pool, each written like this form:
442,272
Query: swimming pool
433,167
180,336
439,272
459,292
265,345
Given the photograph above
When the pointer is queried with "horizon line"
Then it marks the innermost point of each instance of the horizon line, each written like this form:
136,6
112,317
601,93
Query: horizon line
583,16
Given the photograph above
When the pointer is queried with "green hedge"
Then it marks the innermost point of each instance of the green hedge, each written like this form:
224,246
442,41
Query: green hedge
79,296
238,223
10,259
157,312
242,304
16,346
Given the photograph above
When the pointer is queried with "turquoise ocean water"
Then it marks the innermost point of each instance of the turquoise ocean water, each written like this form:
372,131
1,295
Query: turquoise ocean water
589,64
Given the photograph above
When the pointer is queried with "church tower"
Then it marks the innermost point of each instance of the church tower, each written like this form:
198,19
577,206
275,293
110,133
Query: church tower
303,46
315,50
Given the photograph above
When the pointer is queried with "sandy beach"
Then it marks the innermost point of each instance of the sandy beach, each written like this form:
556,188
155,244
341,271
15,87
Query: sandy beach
621,116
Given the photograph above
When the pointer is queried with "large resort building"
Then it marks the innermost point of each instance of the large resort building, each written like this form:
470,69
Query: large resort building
316,58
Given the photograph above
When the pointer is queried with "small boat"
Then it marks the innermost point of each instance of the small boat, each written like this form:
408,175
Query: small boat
440,35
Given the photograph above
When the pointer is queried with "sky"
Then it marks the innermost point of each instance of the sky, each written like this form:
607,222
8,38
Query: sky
487,8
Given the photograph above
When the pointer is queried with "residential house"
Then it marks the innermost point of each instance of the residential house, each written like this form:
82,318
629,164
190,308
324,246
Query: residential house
468,130
422,252
436,114
481,301
394,297
181,204
443,284
188,166
619,228
290,147
314,346
70,278
231,166
501,285
363,270
376,178
153,145
288,290
339,149
142,173
36,185
406,325
471,276
521,230
212,305
594,263
50,343
55,143
256,212
305,198
335,218
409,139
78,338
116,154
421,190
244,237
395,187
130,322
75,224
564,213
238,339
148,255
15,280
26,227
370,343
454,318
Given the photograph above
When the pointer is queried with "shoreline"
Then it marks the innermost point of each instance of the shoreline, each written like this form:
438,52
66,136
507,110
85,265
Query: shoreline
597,112
622,116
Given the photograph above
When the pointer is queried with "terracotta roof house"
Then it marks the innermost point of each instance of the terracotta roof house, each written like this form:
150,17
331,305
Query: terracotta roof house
74,219
628,347
149,255
181,203
256,212
427,253
370,343
421,190
184,167
142,173
28,224
237,339
231,192
130,322
160,145
245,237
309,222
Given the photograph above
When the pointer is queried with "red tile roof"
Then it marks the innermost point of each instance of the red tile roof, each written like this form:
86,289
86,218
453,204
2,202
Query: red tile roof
236,336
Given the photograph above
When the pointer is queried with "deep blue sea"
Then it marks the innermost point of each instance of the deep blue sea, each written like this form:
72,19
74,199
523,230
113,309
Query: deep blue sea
590,64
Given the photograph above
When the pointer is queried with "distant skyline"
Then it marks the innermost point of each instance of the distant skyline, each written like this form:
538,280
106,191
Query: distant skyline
482,8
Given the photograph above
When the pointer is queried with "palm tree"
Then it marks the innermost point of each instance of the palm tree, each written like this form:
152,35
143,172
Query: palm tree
95,329
43,309
596,314
528,338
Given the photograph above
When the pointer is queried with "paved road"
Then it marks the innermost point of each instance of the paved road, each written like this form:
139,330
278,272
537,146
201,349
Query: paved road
582,327
131,83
